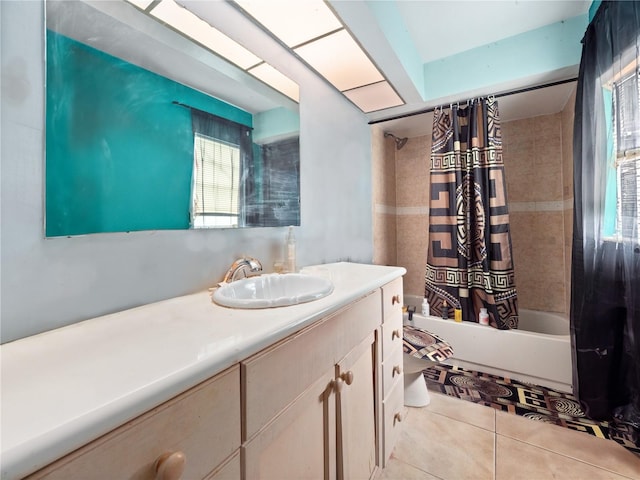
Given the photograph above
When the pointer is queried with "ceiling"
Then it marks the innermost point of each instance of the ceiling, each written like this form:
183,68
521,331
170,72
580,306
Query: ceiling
543,101
436,29
419,33
478,22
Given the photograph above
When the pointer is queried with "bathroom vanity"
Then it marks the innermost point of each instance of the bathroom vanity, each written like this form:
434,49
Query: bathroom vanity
307,391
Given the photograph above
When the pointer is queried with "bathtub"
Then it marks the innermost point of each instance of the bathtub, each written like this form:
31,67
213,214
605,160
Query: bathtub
538,352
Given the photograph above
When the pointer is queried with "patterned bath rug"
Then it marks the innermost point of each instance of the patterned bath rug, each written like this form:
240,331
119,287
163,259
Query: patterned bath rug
530,401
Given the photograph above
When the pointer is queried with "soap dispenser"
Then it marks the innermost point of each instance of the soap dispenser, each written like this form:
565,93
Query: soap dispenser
291,252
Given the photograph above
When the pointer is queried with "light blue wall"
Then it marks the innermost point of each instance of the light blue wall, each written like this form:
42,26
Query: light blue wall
390,20
546,49
48,283
275,124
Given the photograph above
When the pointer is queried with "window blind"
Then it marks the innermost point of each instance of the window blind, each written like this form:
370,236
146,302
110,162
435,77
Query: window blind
217,165
627,138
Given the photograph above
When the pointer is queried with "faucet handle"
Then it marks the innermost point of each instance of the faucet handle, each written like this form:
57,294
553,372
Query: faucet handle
242,264
254,264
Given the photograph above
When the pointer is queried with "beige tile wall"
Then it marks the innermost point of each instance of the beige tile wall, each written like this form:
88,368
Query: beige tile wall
539,174
412,187
532,149
384,198
567,180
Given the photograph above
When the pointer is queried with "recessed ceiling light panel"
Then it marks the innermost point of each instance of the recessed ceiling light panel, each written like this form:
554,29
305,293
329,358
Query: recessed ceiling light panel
277,80
191,25
141,4
340,60
377,96
294,22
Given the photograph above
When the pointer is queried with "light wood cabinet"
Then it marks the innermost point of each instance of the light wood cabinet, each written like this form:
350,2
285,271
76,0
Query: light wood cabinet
356,412
392,368
300,442
310,403
202,423
321,404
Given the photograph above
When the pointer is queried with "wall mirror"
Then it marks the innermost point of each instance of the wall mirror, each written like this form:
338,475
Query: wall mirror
147,129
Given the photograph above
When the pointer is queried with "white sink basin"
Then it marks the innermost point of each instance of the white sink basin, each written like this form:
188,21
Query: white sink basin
272,290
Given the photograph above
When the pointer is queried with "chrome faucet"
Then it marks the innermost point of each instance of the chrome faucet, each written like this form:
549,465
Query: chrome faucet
246,265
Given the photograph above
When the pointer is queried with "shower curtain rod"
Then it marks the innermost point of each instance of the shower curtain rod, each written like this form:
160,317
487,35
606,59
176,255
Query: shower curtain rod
497,95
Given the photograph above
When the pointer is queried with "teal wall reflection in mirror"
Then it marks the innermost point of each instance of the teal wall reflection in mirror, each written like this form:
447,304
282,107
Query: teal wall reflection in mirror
120,148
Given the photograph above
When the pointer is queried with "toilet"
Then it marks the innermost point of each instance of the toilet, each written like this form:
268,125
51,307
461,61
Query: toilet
421,349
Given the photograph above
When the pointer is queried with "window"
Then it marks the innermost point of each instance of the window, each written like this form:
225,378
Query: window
627,137
622,204
275,198
222,150
216,183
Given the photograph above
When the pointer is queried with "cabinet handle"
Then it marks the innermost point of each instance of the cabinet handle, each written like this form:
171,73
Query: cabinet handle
397,418
395,299
347,377
396,370
395,334
169,466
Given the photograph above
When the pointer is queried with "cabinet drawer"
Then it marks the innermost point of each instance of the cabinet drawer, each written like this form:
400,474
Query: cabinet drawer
275,377
394,413
391,336
392,299
203,423
392,371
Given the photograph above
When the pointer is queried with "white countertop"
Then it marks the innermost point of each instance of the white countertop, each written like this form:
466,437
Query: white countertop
66,387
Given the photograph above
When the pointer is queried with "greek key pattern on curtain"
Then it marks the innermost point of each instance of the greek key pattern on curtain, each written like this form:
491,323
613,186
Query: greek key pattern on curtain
469,262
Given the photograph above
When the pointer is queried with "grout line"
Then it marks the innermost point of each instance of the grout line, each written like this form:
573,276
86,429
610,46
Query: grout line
445,415
568,456
495,446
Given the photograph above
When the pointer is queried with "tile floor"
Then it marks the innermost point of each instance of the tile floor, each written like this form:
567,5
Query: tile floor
452,439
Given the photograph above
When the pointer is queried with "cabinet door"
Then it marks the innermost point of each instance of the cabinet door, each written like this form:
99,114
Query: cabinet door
275,377
356,414
299,443
230,470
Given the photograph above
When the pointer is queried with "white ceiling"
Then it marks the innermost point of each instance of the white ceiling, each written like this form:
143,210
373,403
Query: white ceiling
440,28
544,101
437,29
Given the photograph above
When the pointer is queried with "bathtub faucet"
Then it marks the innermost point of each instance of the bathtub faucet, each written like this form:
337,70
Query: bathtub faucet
246,265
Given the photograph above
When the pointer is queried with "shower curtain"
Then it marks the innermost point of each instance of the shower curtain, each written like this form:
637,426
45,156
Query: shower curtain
605,288
469,261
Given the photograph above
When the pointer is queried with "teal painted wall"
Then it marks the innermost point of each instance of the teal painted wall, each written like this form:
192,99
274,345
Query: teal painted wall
542,50
119,153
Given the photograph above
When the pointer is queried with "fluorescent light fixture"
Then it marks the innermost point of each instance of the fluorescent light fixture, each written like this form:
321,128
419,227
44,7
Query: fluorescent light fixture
317,36
293,21
141,4
377,96
191,25
277,80
339,59
310,29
